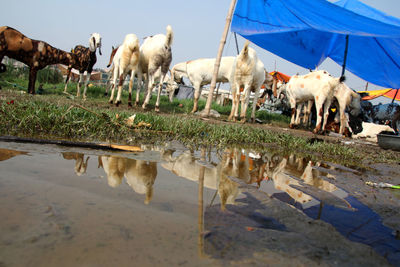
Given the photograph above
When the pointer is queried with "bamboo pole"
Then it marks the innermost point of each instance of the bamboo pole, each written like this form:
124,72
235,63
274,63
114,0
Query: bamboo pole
218,59
200,211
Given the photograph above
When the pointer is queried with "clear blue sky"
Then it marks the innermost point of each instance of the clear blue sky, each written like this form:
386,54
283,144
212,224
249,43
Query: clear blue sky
197,27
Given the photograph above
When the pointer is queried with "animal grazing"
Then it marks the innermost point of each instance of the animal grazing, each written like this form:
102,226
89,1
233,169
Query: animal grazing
126,60
155,54
34,53
85,58
249,74
318,86
199,72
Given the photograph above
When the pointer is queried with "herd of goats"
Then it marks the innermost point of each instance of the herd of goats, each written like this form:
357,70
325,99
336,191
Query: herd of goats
150,62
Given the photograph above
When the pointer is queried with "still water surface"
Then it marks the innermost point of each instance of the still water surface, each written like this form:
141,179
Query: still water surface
169,206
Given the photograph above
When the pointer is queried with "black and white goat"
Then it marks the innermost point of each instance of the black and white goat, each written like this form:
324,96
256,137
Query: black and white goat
84,60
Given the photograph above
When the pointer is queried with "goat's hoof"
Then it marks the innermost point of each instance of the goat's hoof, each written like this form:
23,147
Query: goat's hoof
105,94
157,109
117,103
130,104
291,126
110,102
136,103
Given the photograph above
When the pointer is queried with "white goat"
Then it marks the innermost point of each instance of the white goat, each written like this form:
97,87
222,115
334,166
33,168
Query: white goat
199,72
155,53
249,74
318,86
347,99
126,60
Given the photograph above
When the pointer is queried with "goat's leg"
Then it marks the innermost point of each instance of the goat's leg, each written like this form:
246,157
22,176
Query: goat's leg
320,114
197,92
32,80
292,102
120,83
149,89
245,103
86,85
3,67
298,112
67,79
81,78
327,106
231,115
160,85
253,112
114,84
130,88
307,113
238,97
138,87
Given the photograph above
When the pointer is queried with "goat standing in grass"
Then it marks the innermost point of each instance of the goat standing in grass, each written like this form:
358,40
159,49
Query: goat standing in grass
36,54
249,74
126,60
85,58
155,54
200,72
111,71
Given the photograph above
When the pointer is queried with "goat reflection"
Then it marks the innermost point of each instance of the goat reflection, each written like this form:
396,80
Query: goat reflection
139,174
80,163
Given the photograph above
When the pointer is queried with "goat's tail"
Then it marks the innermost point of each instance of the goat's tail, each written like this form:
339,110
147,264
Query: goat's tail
245,50
169,36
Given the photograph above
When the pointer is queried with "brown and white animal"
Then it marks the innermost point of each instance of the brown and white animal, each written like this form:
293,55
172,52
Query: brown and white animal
34,53
155,54
200,72
85,58
318,86
249,74
126,60
348,101
111,71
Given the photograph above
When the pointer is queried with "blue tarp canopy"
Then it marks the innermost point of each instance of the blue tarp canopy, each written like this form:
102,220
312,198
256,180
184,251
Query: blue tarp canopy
306,32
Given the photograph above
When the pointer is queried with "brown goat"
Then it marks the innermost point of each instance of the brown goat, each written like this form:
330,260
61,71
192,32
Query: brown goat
34,53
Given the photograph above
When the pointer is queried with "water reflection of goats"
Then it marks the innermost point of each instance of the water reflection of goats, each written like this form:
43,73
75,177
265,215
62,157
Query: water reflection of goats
139,174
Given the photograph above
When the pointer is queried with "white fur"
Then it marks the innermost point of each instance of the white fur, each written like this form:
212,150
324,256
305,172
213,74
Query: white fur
200,72
371,130
317,86
249,74
155,54
346,98
125,60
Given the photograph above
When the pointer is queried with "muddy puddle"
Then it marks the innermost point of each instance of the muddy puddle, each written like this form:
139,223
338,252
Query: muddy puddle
169,206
